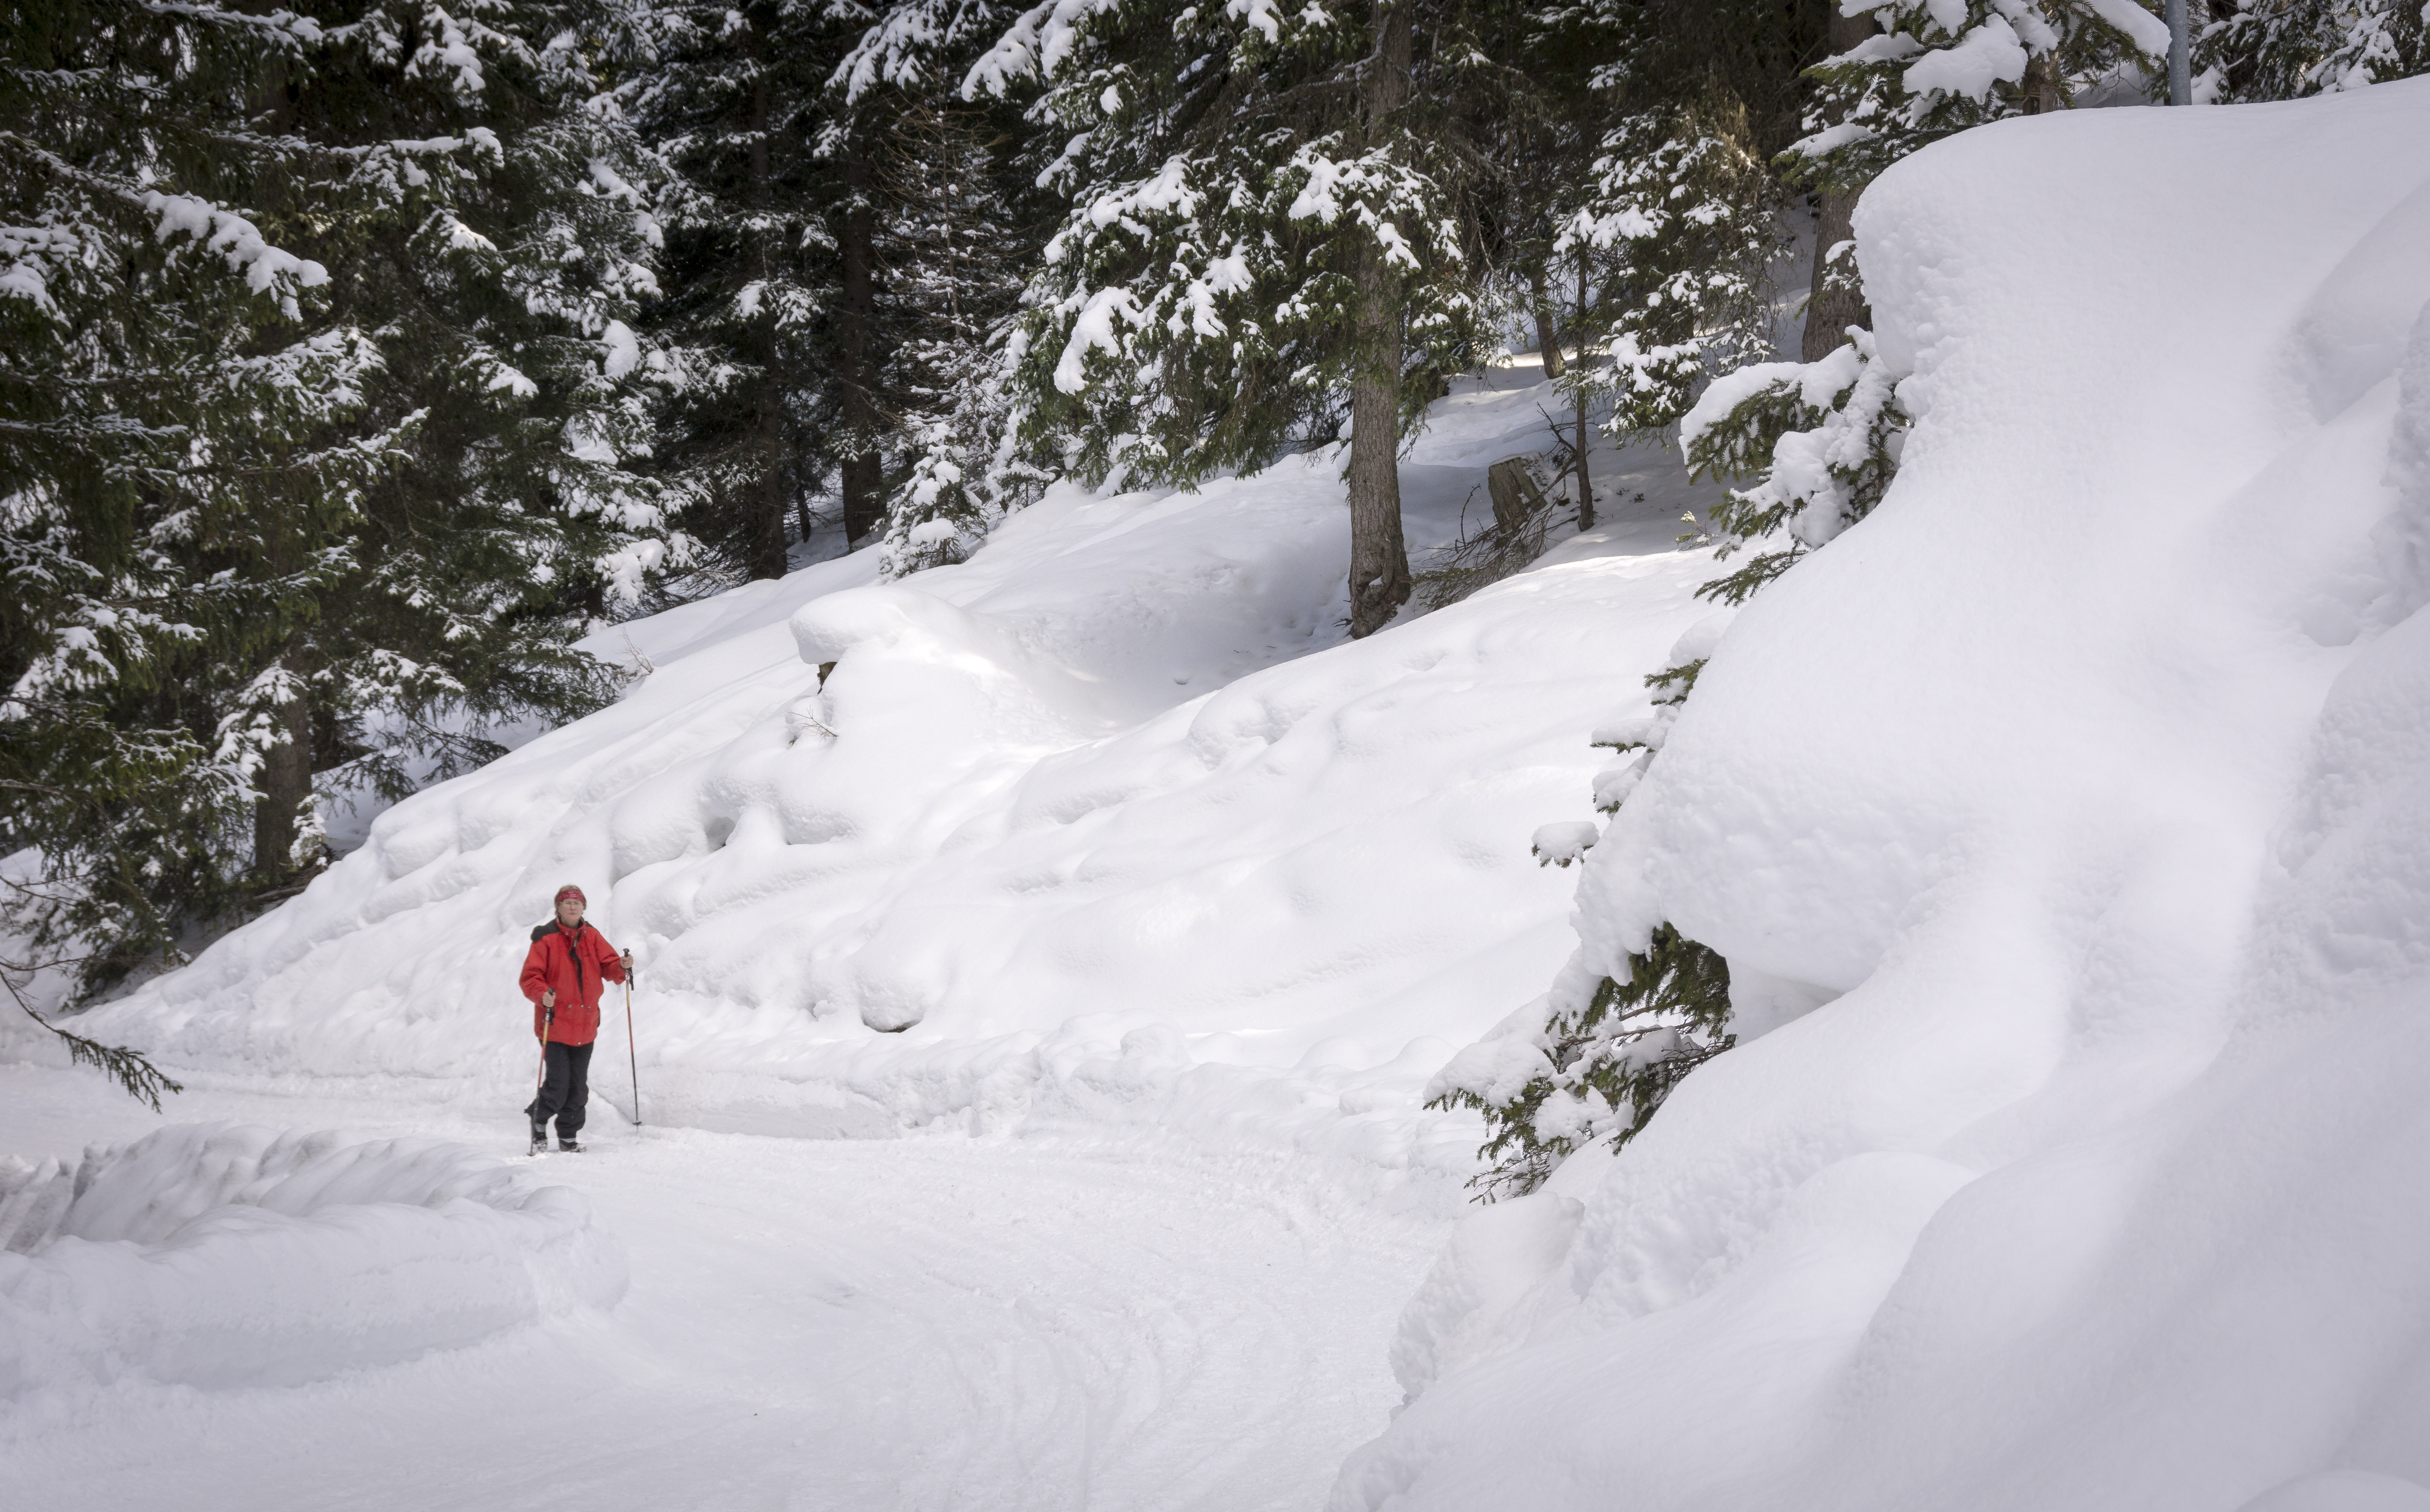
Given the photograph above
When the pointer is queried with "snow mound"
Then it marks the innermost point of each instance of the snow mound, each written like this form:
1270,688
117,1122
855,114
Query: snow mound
2085,787
1111,814
222,1255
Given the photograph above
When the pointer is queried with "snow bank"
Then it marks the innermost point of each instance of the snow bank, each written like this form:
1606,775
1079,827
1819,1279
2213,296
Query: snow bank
1111,814
2087,784
218,1256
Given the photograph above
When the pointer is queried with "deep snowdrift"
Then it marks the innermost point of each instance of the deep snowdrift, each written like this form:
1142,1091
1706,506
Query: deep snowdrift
2089,779
221,1255
1111,811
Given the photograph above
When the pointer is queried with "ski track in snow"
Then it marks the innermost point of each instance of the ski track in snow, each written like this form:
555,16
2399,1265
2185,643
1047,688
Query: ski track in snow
1059,1320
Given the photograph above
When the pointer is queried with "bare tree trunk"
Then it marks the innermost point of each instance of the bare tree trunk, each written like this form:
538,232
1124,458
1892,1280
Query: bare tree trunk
2039,87
1586,442
863,473
286,782
765,546
863,482
1833,305
1548,340
1585,477
1380,557
763,504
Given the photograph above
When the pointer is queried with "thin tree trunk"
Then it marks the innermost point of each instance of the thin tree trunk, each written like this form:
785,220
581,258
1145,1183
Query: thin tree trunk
863,477
1832,303
1585,477
2039,87
763,504
1578,396
765,548
1548,340
286,782
1380,557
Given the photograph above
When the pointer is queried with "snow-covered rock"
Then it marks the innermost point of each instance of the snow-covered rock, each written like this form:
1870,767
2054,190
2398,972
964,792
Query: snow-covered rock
2089,781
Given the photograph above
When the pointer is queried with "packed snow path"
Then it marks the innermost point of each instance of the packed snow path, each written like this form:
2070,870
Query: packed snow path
1043,1322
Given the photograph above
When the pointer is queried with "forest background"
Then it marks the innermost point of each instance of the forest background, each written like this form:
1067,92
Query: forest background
357,360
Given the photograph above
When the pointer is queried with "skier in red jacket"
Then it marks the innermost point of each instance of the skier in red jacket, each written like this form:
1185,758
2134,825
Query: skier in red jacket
569,964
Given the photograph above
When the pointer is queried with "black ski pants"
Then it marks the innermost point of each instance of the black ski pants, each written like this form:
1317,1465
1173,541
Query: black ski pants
564,1089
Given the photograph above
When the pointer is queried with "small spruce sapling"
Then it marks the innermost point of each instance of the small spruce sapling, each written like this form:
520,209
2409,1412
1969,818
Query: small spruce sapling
1820,441
1595,1070
1677,231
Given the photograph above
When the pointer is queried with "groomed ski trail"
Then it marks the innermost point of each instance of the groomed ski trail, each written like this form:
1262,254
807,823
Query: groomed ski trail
1050,1322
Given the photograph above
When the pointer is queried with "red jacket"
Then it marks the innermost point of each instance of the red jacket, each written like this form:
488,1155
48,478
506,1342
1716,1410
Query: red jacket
577,965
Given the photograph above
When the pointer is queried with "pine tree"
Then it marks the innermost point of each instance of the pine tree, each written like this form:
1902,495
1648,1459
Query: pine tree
949,246
2286,49
1640,220
1820,442
160,380
1267,220
1681,216
324,519
1596,1070
767,252
1938,67
493,236
950,242
1677,234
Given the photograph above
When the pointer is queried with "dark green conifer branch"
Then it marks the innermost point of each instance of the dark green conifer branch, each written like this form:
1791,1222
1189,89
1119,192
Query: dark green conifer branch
1607,1066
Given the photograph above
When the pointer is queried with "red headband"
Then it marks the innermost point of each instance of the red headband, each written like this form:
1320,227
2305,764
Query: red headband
570,891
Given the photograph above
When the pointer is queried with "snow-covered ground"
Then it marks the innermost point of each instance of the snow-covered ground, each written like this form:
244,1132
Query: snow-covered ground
1115,905
1054,1322
2067,817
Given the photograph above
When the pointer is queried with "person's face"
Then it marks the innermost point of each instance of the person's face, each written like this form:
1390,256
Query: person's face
569,911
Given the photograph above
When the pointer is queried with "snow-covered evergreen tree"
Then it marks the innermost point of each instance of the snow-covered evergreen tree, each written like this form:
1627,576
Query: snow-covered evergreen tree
1937,67
1817,444
1820,441
2286,49
330,505
1677,233
160,381
1639,217
1553,1080
1266,229
950,245
777,398
495,242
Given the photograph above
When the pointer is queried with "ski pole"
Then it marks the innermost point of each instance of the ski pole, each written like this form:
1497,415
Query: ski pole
632,1057
539,1087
